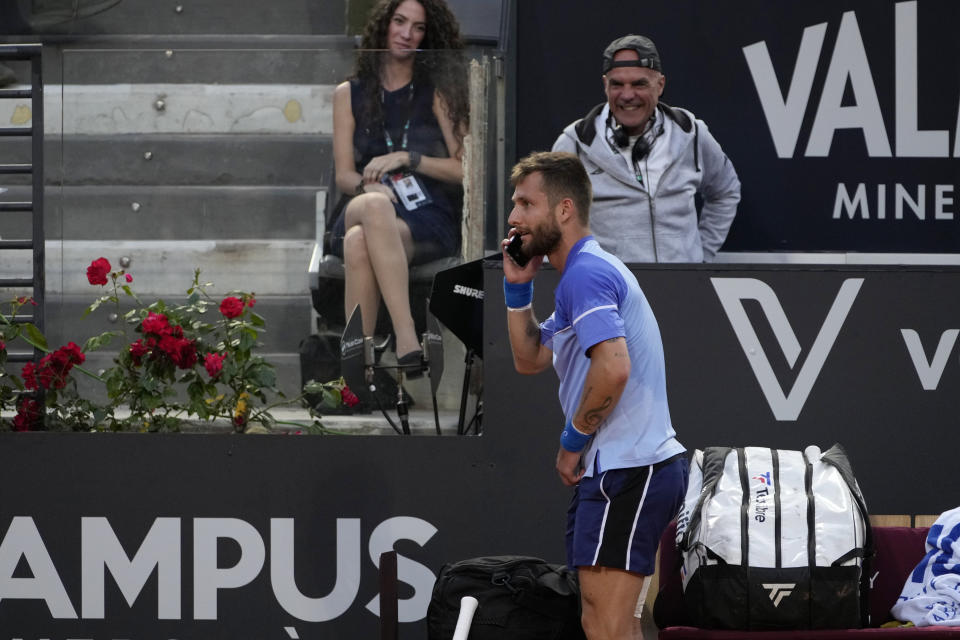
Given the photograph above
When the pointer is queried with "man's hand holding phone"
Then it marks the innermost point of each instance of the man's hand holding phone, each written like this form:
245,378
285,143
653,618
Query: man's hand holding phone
515,250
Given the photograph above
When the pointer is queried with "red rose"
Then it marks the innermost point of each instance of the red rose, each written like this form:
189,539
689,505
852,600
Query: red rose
182,351
45,373
251,302
29,376
73,352
137,351
28,414
156,323
3,345
169,345
98,270
231,307
214,364
187,355
349,398
54,367
128,278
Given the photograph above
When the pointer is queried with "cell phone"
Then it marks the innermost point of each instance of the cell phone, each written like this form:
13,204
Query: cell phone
515,251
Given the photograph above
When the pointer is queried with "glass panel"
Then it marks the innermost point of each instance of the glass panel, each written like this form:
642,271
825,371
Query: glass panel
172,161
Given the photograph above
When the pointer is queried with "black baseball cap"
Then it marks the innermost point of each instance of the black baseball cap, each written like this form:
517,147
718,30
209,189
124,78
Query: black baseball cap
646,51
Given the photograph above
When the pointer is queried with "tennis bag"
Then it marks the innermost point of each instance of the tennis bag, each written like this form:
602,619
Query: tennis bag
520,598
774,539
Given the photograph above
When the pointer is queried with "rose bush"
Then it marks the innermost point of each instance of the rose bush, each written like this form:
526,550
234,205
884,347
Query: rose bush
185,362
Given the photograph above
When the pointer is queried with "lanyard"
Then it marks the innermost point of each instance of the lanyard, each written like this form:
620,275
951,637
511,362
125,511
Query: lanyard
406,126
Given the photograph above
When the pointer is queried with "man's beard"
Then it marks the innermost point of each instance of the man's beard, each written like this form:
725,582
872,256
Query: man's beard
544,239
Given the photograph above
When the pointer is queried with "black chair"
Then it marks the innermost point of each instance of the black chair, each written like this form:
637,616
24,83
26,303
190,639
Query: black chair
326,274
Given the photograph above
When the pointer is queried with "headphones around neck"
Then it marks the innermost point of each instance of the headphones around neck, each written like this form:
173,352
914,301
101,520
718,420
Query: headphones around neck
641,148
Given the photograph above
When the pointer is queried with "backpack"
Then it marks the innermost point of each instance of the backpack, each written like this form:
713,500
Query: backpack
520,598
774,539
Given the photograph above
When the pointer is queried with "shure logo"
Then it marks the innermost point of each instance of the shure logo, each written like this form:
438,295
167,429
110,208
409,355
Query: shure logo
350,344
468,291
733,291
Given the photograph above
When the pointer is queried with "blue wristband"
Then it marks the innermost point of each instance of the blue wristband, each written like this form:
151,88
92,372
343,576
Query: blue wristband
518,296
572,439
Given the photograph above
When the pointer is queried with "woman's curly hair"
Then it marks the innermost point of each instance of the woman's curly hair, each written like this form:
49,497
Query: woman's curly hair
446,71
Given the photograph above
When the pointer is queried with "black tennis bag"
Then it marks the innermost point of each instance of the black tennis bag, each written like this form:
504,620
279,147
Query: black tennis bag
774,539
520,598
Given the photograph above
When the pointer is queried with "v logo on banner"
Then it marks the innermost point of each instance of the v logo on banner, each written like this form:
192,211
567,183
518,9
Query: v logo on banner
785,405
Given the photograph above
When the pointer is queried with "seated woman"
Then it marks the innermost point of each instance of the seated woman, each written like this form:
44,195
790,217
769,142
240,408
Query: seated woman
398,128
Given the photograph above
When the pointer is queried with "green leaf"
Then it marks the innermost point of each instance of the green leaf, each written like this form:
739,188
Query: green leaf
248,340
316,428
102,340
96,304
34,337
257,320
331,398
114,386
150,384
263,376
312,386
196,390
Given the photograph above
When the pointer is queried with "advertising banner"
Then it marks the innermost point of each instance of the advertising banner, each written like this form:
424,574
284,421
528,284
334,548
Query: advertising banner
840,116
787,357
278,537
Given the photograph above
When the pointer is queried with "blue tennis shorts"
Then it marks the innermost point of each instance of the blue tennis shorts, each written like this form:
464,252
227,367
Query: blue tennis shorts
616,518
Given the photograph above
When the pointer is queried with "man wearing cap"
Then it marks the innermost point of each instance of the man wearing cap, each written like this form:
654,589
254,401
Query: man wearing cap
647,161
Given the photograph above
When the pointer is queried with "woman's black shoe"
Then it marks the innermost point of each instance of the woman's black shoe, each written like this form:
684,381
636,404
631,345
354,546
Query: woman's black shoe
411,363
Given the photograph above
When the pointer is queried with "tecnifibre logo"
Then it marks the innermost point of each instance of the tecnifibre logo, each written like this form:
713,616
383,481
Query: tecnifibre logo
779,591
786,405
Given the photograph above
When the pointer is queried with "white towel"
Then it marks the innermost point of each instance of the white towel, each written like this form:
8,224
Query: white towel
931,594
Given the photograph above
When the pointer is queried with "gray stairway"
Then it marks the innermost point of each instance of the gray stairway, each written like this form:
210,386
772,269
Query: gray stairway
183,135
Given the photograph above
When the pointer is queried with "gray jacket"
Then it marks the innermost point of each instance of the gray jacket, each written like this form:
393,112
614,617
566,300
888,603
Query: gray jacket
665,226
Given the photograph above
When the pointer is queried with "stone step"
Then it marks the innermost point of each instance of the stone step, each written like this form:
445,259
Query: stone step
201,18
174,108
208,60
171,212
177,159
162,268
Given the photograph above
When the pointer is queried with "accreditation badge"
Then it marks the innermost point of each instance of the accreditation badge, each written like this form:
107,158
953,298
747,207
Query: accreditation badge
409,189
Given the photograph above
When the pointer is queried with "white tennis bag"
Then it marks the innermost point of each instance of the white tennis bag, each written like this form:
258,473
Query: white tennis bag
774,539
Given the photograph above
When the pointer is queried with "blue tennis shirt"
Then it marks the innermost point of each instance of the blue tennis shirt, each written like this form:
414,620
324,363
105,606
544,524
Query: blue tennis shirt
597,299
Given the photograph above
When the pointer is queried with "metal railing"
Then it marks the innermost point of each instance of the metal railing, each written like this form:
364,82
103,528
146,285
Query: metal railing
34,130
